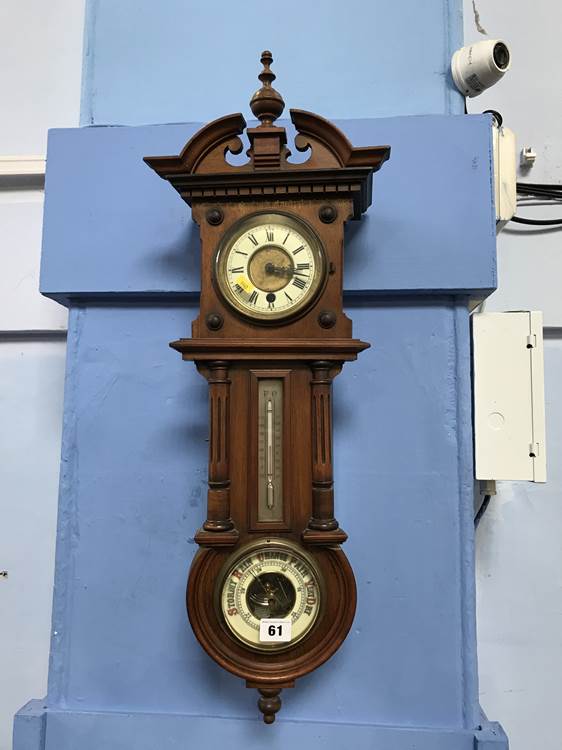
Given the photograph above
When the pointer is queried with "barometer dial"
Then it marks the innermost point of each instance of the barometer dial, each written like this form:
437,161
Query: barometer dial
271,580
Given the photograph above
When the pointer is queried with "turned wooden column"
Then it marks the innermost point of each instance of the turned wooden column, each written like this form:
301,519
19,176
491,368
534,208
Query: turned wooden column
322,518
218,497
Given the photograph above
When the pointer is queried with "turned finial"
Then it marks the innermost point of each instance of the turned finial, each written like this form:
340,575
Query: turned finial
269,703
267,103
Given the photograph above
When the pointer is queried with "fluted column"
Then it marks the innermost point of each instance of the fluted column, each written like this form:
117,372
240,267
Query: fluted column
322,518
218,497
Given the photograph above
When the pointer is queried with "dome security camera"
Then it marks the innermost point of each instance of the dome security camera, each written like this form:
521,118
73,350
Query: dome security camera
478,66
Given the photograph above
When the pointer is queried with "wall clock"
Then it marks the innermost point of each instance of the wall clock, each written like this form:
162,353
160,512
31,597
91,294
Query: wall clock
271,594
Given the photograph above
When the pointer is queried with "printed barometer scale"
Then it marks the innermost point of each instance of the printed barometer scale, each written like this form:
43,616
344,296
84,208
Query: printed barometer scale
271,595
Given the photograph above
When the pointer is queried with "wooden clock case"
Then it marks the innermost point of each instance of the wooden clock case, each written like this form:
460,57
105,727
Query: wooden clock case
306,351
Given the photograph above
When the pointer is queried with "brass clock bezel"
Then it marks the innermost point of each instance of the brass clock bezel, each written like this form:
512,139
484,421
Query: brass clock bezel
243,551
320,274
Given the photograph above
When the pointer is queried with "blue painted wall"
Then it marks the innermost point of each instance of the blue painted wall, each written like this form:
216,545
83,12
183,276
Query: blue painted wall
178,60
134,492
118,229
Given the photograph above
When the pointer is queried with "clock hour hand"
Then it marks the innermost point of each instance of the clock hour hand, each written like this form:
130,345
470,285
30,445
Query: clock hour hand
272,269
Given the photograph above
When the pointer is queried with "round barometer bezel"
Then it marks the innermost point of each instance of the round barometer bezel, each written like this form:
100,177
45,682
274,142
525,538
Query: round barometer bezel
244,552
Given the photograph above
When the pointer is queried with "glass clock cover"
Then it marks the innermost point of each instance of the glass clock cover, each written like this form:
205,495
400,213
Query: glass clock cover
270,266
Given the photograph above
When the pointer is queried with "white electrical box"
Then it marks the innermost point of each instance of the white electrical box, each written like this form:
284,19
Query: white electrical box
505,174
509,424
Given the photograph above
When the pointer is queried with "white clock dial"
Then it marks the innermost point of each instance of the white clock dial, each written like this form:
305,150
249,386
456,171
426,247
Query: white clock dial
271,580
270,266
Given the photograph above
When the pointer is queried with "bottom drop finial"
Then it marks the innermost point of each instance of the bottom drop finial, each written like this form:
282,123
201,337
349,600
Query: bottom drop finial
269,703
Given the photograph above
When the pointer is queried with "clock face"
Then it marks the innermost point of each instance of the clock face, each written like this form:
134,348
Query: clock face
270,266
273,584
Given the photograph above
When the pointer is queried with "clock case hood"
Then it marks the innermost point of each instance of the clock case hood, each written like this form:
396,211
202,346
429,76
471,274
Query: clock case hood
336,176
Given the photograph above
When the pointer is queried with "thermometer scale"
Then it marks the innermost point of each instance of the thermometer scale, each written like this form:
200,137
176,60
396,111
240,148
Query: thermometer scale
270,441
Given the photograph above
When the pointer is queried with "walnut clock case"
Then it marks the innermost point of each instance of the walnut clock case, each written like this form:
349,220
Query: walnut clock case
271,594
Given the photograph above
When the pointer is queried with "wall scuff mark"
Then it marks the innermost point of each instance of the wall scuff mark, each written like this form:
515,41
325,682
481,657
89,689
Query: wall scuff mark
479,27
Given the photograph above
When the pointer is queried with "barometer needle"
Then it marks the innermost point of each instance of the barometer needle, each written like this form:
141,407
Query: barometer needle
259,580
280,579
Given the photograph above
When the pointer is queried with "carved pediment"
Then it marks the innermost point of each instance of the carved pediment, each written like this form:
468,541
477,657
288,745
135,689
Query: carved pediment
333,167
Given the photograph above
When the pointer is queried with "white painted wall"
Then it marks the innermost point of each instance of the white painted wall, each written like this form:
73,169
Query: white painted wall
22,308
519,582
530,99
31,380
40,75
519,541
40,71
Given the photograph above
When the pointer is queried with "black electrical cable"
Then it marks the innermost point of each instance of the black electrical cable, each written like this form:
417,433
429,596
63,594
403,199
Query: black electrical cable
553,195
550,186
537,222
543,191
483,508
542,195
548,193
495,114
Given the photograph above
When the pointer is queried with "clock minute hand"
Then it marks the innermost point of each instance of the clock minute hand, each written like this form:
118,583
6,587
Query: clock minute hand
283,270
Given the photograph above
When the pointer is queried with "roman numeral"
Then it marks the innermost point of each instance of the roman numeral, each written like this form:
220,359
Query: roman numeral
238,269
299,248
240,252
286,238
303,266
299,283
253,239
271,305
238,289
269,235
289,298
253,298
